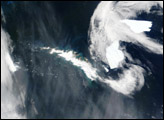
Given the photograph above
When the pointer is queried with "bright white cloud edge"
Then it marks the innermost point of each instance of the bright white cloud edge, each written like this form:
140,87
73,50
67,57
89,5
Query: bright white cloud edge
111,23
9,101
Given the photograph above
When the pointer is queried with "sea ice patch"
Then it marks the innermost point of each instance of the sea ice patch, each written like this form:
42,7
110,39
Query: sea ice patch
138,26
114,55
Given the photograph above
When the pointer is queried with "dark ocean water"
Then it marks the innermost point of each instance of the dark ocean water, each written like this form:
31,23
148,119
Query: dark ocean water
58,89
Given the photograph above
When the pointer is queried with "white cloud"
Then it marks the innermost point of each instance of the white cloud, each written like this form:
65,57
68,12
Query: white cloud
113,22
10,63
9,101
130,81
107,27
3,17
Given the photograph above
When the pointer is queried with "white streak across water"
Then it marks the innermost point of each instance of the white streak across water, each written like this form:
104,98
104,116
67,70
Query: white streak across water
70,56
